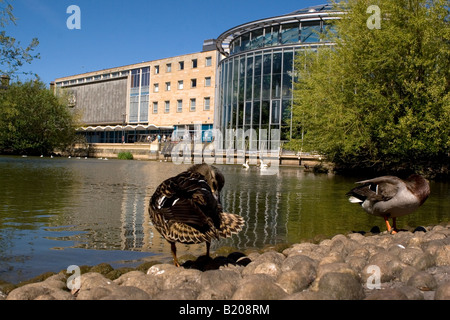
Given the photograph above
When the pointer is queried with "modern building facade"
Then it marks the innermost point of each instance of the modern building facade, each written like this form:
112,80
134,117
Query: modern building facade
256,75
242,82
138,102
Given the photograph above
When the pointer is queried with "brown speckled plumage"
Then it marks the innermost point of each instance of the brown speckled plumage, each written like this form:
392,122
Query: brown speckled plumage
187,209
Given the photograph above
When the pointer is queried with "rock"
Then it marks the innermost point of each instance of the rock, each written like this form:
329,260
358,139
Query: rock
269,268
422,281
183,279
341,286
443,292
293,281
176,294
127,293
411,293
150,285
50,289
218,284
390,266
95,286
443,256
258,287
308,295
387,294
331,267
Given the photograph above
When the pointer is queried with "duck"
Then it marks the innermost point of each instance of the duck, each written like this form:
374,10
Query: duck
263,165
391,197
246,165
187,209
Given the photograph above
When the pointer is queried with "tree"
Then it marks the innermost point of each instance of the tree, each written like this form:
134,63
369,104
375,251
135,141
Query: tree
379,98
12,55
33,120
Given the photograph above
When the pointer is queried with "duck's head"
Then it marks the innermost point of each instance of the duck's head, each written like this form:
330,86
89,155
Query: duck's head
213,176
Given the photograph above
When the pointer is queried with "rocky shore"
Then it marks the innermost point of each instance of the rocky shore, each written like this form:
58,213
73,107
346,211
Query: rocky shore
404,266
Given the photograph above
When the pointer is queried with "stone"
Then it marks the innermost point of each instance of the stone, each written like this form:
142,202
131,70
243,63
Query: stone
127,293
422,281
269,268
443,256
218,284
293,281
258,287
443,291
341,286
390,266
387,294
176,294
150,285
308,295
411,293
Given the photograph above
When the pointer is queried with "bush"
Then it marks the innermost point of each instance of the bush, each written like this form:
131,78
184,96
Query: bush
125,156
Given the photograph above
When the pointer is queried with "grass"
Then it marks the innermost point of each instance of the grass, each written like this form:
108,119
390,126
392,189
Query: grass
125,156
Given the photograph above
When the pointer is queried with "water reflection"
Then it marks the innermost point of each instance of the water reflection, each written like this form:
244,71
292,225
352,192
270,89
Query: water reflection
57,212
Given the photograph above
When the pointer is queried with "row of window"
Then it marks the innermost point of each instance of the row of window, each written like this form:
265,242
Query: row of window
179,105
180,84
181,65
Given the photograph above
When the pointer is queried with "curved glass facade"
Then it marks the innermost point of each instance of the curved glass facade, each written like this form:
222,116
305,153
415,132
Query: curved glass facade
255,89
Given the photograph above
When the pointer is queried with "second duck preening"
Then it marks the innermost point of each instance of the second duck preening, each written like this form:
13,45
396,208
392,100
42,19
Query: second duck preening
390,196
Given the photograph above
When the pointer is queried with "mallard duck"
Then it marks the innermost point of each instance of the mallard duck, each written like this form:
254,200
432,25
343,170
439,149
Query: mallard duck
187,208
391,197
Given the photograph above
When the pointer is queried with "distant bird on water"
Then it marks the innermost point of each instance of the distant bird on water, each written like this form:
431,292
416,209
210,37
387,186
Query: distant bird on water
391,197
187,209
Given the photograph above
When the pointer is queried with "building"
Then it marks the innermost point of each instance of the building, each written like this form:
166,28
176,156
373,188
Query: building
241,83
138,102
256,74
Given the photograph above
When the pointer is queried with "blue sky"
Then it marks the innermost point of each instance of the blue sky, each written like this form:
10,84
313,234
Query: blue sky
116,32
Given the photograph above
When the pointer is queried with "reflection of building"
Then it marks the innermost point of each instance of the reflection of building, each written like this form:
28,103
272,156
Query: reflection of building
127,104
255,79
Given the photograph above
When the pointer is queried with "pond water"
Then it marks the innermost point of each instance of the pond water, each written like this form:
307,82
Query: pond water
58,212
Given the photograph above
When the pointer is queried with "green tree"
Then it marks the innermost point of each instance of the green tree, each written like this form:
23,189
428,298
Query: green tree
33,120
12,55
379,97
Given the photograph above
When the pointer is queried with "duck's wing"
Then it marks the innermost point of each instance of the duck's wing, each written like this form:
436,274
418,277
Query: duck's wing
187,198
377,189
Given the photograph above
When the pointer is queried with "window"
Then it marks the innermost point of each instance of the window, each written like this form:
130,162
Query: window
207,104
145,81
179,105
194,63
208,62
181,65
180,85
208,82
167,106
169,67
156,87
193,83
135,78
156,69
192,105
155,107
168,86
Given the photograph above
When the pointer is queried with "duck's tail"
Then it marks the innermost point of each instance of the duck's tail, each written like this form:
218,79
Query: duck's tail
230,224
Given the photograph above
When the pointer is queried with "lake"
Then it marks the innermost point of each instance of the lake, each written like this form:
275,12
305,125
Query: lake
58,212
